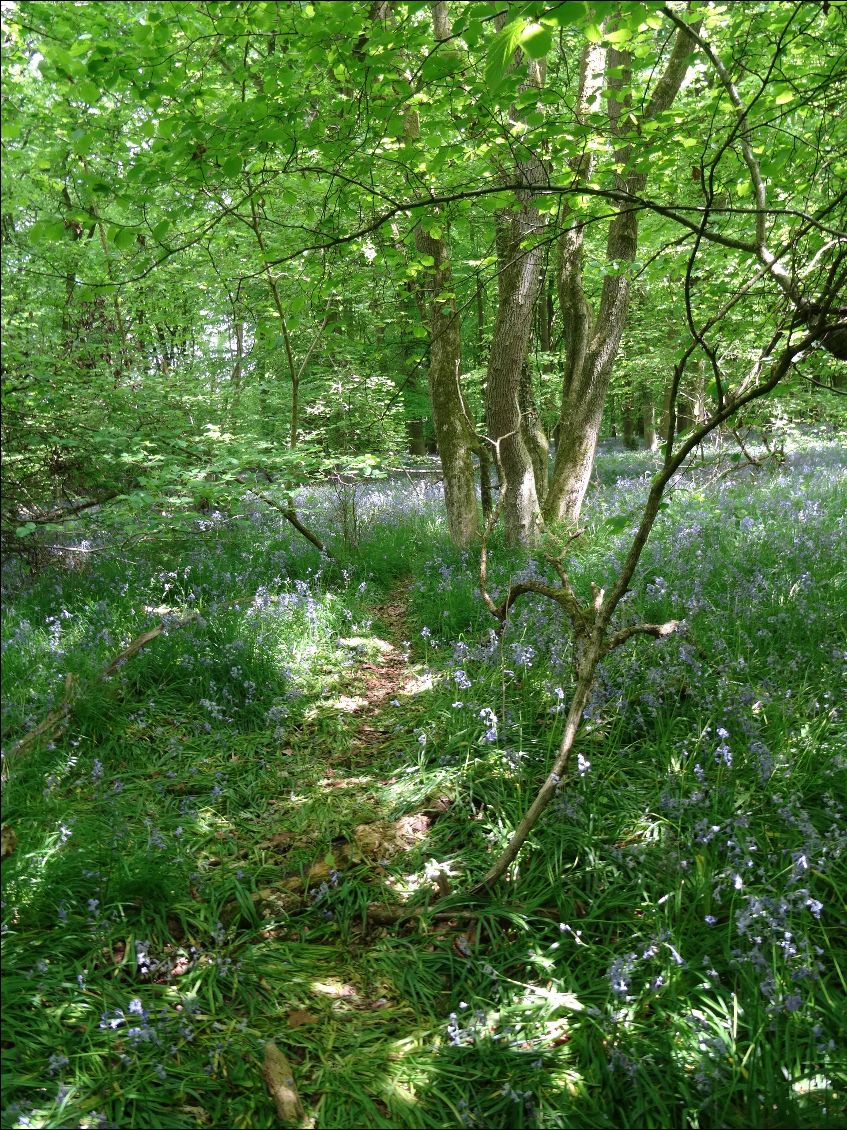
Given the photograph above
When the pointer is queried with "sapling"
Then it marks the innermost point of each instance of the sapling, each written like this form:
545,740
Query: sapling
591,621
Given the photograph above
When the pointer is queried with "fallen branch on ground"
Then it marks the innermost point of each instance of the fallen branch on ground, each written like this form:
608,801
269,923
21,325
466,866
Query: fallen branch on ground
290,515
54,723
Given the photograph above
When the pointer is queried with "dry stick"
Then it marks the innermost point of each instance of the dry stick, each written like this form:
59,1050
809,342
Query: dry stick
59,716
60,514
57,719
290,515
591,622
49,724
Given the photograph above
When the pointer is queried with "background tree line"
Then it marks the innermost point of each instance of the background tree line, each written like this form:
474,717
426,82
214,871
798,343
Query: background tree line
284,235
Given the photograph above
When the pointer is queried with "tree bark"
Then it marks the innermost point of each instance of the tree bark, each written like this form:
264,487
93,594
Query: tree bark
534,435
454,432
518,278
417,439
592,344
629,439
648,415
485,480
518,285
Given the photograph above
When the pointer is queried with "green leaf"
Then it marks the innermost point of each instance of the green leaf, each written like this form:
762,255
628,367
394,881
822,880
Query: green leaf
124,237
232,166
622,35
161,230
501,53
86,91
47,231
536,40
569,13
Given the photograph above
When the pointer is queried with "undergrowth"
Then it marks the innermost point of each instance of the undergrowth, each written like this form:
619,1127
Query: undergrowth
669,950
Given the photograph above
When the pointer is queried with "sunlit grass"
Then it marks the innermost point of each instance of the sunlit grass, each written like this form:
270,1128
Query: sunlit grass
160,919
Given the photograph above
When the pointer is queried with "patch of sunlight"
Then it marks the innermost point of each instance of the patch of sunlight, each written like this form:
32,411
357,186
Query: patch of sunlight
347,704
407,1071
811,1083
404,886
368,643
645,829
40,857
393,1089
209,820
710,1034
337,989
293,800
417,684
43,1116
553,998
572,1081
344,782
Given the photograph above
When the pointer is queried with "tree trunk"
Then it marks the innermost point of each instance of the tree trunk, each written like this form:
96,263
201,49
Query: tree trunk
668,421
589,373
454,432
518,286
518,278
629,439
592,344
480,323
698,405
544,313
485,480
535,437
648,415
237,371
417,439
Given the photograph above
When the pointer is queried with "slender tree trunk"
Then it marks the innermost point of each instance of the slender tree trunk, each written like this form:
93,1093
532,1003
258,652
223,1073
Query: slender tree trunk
698,405
629,425
592,344
668,421
518,278
417,439
237,370
648,415
480,323
518,286
455,433
485,480
293,371
534,434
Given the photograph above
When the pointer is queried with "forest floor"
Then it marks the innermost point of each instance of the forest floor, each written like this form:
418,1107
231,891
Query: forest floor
259,829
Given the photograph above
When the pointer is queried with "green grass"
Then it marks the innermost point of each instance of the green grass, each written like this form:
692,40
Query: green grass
669,949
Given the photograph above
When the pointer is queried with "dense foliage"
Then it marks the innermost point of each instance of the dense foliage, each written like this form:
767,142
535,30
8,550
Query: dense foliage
214,239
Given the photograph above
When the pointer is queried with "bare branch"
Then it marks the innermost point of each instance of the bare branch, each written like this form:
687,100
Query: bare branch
290,515
656,630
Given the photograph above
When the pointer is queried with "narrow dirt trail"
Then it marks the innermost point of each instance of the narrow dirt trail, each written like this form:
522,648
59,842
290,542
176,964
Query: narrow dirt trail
381,680
383,675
